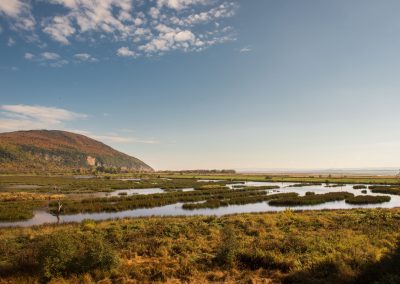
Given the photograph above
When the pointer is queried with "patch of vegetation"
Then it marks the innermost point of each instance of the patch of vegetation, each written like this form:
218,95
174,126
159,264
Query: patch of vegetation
385,189
112,204
235,200
70,184
304,184
368,199
359,187
18,210
341,246
313,199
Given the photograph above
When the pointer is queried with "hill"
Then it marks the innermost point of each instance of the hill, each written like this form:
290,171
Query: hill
58,151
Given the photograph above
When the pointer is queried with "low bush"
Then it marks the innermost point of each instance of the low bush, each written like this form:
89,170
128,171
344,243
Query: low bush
61,253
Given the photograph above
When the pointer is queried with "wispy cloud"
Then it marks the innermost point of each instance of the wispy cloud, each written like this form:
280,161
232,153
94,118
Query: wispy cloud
113,137
50,56
10,42
135,27
245,49
28,56
85,57
46,58
28,117
18,117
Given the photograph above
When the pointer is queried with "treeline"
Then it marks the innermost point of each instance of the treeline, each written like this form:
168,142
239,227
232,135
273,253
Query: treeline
224,171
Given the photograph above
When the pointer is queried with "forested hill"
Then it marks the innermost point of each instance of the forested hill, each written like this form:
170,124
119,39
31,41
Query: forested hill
57,151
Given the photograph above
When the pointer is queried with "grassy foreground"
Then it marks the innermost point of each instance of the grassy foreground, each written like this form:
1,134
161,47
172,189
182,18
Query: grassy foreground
344,246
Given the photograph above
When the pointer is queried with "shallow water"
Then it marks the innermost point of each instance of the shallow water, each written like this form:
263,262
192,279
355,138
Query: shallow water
42,217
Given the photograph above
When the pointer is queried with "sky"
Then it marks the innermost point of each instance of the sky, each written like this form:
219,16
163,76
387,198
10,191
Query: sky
209,84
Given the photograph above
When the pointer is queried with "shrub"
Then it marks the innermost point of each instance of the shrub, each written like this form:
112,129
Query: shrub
56,255
228,249
60,254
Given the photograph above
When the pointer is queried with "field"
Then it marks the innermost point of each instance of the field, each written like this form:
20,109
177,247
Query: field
353,246
292,178
328,246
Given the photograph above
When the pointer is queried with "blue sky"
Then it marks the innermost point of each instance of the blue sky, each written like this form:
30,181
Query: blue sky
207,83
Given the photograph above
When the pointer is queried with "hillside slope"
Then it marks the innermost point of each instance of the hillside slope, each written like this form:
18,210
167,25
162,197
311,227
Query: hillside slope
54,150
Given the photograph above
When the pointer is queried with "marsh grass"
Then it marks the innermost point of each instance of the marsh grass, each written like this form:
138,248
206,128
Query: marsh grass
237,200
18,210
359,187
385,189
112,204
368,199
312,199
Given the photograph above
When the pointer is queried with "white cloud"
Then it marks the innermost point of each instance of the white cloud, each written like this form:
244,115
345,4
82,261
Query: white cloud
125,52
20,12
154,12
245,49
169,39
85,57
50,56
181,4
29,56
11,8
136,27
225,10
60,29
24,117
91,15
48,59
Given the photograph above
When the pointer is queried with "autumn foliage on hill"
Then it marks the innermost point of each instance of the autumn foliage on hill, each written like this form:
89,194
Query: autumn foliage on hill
53,150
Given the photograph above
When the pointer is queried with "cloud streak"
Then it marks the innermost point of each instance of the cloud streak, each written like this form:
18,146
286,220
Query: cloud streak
31,117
